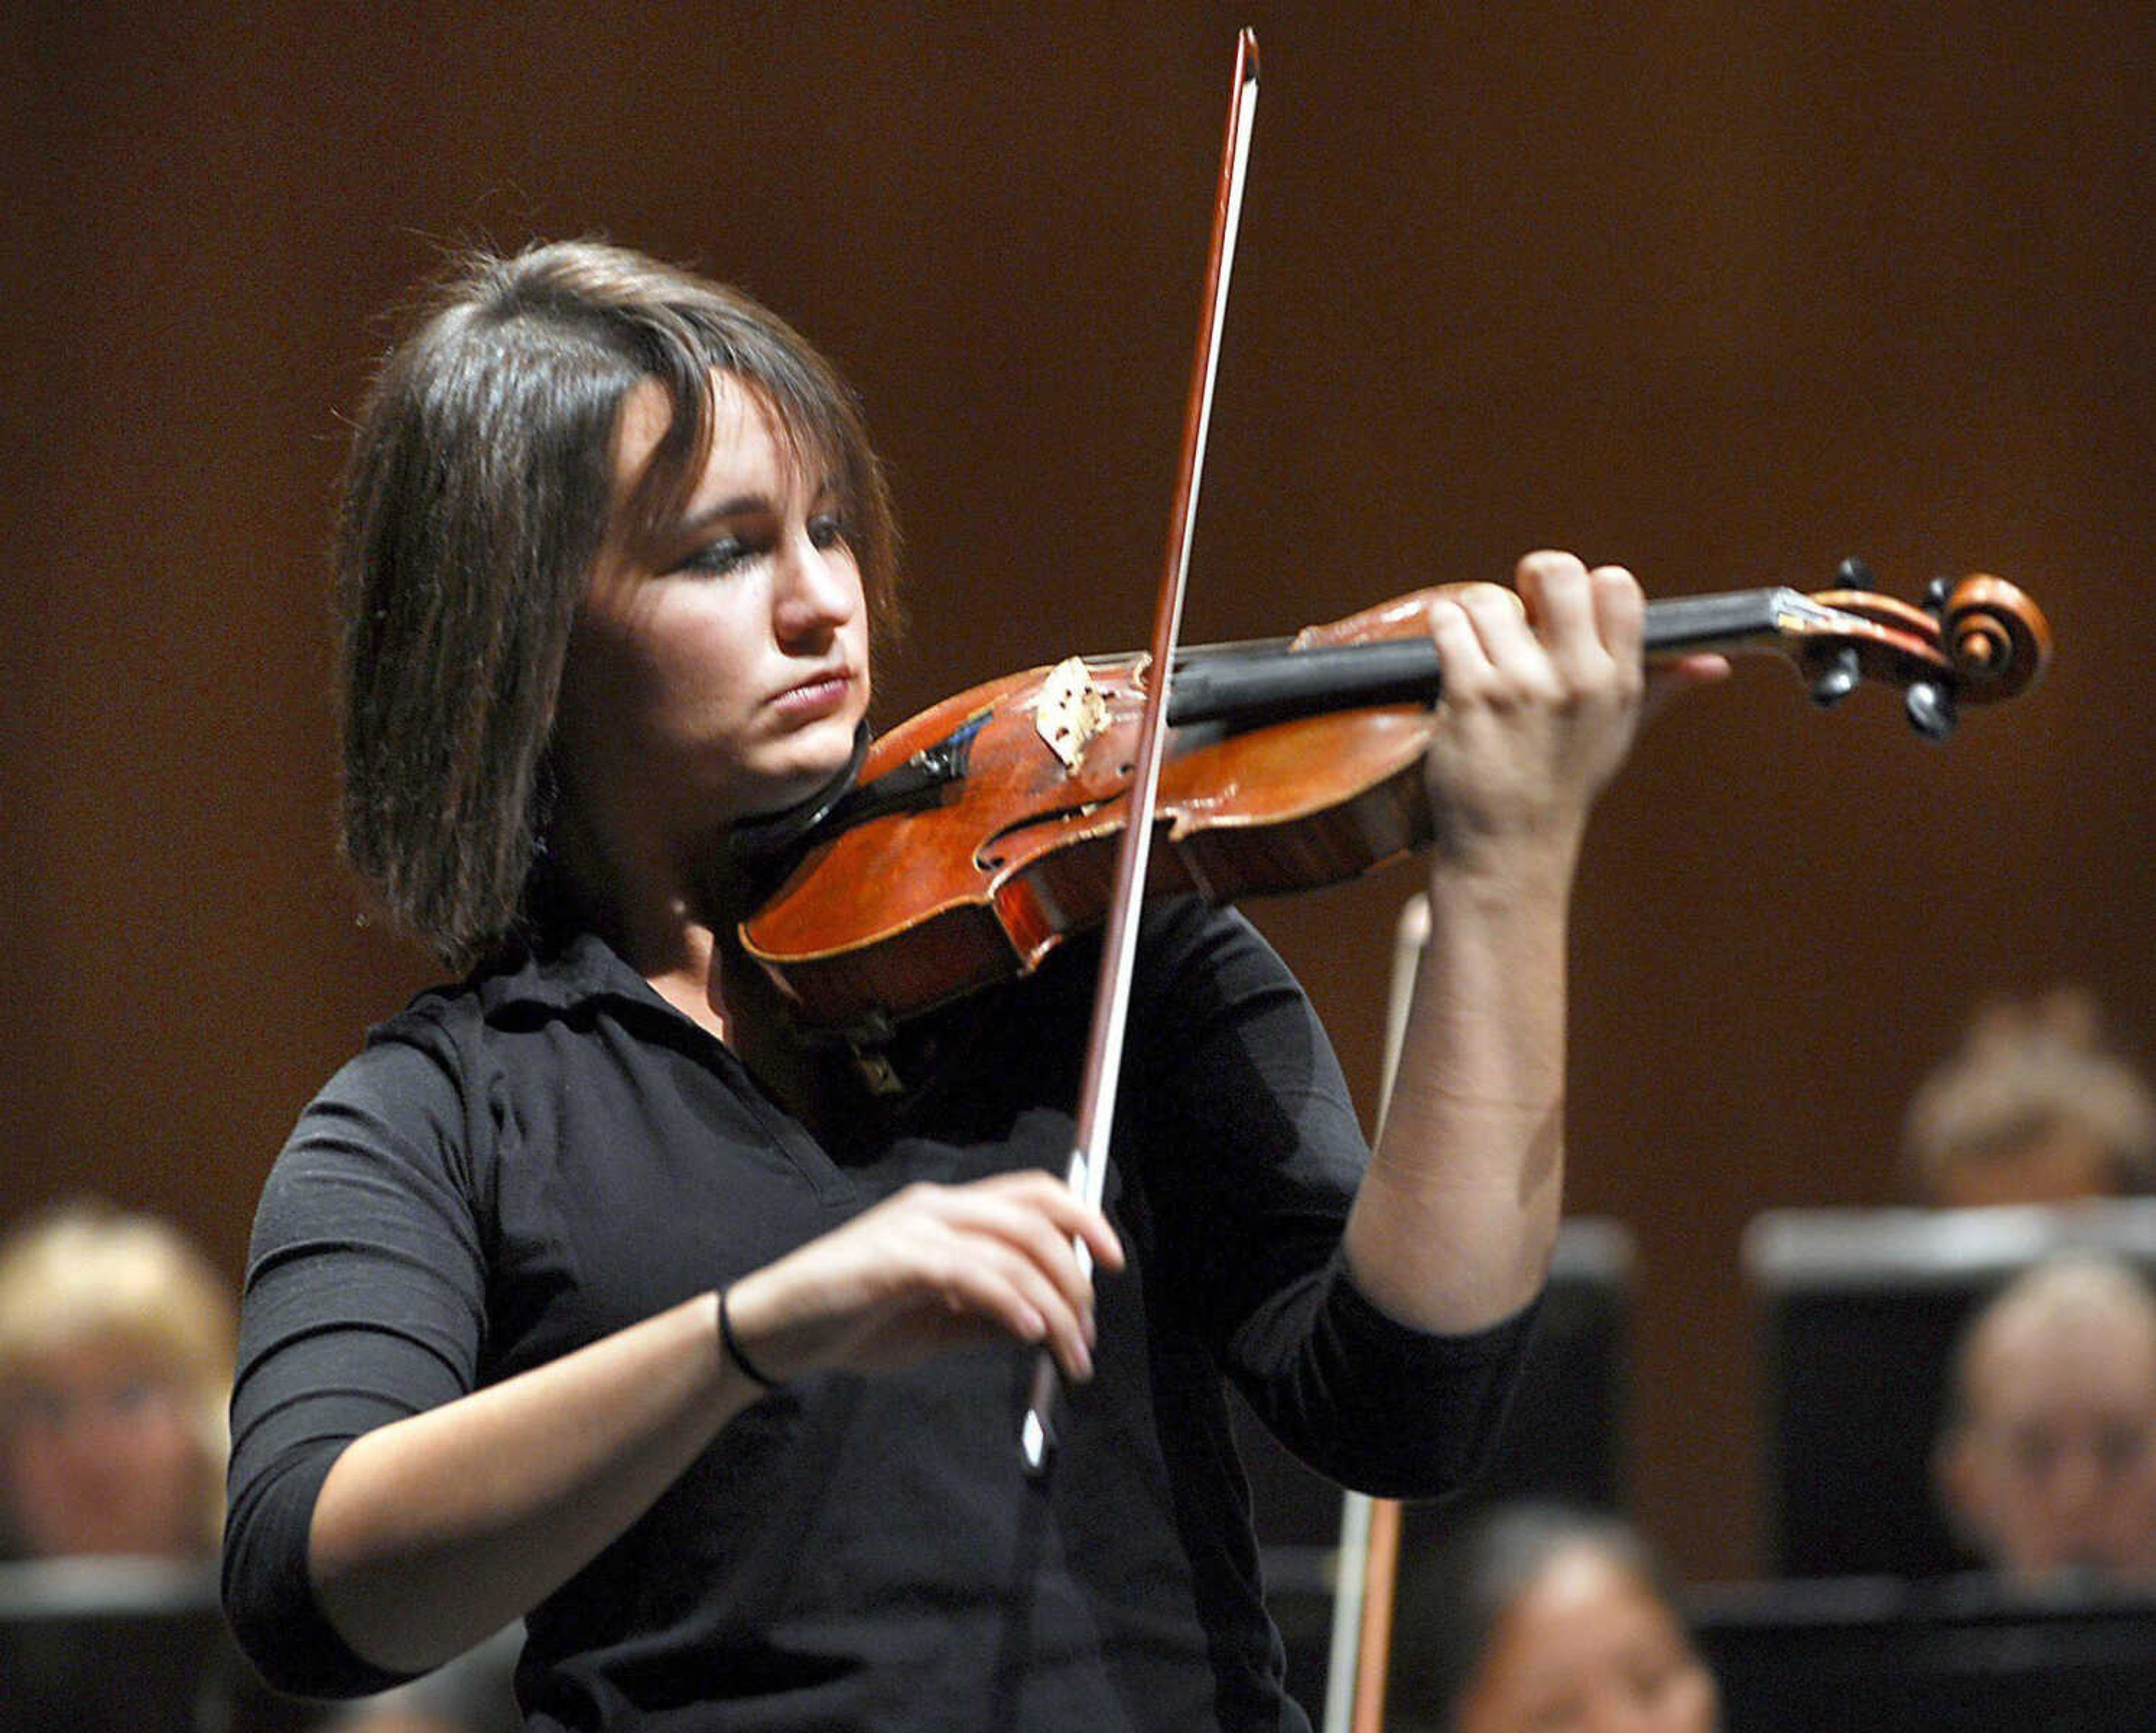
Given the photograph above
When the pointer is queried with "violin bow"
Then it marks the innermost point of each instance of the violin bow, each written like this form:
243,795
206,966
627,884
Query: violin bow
1096,1094
1367,1571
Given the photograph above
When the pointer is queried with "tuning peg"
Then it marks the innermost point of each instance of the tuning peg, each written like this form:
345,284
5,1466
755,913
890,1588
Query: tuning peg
1931,708
1936,593
1852,573
1837,675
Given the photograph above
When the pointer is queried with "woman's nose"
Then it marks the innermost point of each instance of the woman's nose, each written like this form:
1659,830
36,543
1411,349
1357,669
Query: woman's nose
815,589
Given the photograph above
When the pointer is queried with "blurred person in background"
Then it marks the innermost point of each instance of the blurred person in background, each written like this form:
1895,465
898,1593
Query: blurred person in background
115,1364
2034,1107
1538,1618
2047,1467
116,1341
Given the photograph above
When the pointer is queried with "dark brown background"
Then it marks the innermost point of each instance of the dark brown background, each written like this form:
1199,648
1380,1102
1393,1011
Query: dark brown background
1724,292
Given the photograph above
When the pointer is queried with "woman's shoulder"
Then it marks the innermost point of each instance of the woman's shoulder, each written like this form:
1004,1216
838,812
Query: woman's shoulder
448,1043
434,1085
1190,953
514,990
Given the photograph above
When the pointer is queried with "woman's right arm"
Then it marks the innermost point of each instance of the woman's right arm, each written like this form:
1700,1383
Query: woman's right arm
433,1532
432,1529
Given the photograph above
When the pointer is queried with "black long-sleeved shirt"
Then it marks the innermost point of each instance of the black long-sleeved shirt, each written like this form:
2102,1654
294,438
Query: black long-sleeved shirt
517,1166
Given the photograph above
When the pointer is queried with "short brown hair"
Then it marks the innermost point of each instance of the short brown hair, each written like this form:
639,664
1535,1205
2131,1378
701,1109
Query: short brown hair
479,490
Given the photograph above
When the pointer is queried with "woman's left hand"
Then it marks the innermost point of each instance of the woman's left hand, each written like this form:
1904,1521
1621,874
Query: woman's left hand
1543,692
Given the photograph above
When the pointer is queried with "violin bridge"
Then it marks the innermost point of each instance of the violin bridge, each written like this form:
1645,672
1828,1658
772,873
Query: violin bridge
1070,712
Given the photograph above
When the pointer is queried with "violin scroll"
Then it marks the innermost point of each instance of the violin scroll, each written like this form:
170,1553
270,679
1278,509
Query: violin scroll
1997,640
1976,639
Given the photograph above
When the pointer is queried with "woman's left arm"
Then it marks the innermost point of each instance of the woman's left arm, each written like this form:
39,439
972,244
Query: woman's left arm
1451,1229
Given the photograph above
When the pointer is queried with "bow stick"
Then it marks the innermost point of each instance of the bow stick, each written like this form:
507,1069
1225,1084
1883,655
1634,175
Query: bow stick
1096,1092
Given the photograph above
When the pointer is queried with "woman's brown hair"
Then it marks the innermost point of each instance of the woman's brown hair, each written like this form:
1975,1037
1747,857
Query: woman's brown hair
480,491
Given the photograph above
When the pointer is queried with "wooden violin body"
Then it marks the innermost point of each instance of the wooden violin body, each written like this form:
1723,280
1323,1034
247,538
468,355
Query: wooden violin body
982,831
938,899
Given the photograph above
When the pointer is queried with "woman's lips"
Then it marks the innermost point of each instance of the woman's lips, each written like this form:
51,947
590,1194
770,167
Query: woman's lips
819,696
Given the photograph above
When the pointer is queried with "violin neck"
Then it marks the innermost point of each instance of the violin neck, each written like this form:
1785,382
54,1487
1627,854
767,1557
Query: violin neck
1737,619
1243,687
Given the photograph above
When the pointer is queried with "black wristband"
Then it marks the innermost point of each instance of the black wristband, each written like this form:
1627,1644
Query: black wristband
749,1368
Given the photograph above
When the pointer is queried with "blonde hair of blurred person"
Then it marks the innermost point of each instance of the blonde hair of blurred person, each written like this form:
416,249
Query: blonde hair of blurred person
115,1365
2048,1462
1536,1618
2034,1107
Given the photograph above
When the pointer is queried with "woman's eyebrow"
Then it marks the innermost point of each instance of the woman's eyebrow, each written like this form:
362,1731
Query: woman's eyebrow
739,506
744,505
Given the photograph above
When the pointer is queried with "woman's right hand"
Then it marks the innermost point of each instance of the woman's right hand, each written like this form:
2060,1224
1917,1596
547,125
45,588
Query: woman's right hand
930,1268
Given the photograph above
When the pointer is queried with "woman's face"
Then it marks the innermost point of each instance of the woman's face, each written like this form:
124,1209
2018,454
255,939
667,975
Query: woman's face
721,672
102,1456
1589,1648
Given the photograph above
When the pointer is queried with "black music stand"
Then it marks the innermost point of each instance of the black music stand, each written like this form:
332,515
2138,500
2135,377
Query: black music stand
1962,1655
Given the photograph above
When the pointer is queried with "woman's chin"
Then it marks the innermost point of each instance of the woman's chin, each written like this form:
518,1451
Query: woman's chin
781,792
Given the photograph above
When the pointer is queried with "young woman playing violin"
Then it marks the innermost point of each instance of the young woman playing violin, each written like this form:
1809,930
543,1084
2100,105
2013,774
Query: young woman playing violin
586,1293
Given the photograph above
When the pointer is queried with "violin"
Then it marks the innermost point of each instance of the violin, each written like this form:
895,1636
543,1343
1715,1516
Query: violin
976,836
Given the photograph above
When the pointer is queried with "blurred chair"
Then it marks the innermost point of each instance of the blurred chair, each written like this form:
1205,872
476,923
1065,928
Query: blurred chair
1885,1656
127,1645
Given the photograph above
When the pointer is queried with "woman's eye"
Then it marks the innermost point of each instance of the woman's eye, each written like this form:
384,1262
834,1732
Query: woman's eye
720,556
827,530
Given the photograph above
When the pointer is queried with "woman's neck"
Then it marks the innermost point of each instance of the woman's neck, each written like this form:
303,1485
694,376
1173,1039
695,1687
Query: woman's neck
664,911
679,931
693,983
